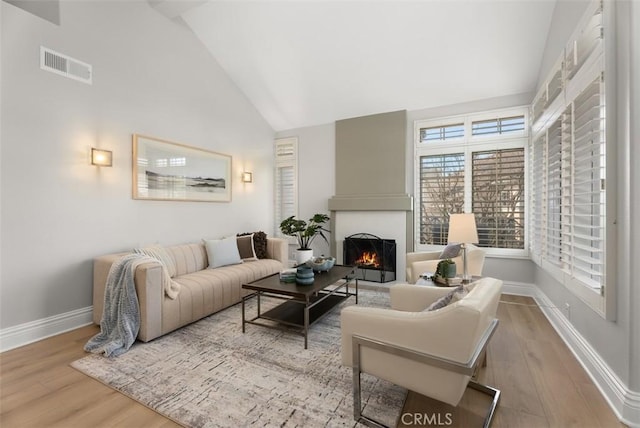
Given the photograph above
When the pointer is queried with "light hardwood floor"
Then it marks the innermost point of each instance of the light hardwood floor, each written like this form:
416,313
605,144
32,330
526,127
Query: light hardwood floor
541,382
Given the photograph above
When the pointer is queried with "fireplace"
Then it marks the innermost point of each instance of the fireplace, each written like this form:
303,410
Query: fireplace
374,256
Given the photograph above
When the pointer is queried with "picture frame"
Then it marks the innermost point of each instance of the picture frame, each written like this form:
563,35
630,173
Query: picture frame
168,171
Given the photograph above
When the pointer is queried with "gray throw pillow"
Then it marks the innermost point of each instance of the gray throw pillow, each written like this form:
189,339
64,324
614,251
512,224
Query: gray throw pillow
445,300
450,251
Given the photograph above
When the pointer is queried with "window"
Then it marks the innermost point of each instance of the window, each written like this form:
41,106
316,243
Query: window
568,155
480,170
441,193
498,197
286,180
498,126
440,133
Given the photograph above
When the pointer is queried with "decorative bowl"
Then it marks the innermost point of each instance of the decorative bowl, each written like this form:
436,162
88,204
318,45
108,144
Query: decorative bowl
320,264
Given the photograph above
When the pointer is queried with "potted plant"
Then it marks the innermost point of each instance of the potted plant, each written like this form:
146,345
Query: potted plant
446,268
305,232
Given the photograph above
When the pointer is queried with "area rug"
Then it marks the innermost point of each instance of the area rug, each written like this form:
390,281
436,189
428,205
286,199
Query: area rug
210,374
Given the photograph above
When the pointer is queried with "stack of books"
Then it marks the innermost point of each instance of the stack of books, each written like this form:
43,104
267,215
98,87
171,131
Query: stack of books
288,275
447,281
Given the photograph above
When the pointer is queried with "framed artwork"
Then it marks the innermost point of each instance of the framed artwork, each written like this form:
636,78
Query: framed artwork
166,171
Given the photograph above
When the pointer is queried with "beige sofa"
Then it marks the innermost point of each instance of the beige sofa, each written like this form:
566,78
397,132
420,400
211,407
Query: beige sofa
203,291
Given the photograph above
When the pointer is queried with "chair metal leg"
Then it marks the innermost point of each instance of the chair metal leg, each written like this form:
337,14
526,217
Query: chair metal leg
492,392
357,394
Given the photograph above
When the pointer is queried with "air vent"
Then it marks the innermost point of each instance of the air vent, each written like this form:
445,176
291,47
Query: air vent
65,66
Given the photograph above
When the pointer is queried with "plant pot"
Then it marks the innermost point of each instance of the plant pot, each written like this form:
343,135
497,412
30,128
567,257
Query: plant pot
303,255
450,271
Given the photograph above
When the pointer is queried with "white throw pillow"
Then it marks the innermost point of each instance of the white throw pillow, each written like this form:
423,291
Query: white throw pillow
222,252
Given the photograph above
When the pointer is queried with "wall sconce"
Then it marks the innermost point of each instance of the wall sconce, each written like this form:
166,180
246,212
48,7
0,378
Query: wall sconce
101,157
247,177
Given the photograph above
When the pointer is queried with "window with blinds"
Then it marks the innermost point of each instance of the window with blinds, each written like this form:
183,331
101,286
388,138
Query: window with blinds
538,161
569,197
498,197
485,176
554,192
588,185
286,180
441,194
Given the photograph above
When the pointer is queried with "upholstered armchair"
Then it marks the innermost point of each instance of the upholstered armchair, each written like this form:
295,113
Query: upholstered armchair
427,261
434,353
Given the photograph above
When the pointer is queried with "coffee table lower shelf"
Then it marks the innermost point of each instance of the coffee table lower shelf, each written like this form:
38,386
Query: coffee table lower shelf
291,312
303,305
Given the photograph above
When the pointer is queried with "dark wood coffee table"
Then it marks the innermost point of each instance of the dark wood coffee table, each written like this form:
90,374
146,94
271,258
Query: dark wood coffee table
304,304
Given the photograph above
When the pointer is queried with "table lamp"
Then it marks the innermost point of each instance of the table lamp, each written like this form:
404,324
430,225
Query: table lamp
462,230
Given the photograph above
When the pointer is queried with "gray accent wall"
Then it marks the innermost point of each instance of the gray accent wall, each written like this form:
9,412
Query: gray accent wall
370,155
150,76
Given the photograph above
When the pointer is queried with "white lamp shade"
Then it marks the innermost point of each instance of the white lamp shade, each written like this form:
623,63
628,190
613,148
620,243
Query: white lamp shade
462,229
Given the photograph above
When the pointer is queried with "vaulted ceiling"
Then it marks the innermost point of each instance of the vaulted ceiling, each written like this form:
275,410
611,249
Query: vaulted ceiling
304,63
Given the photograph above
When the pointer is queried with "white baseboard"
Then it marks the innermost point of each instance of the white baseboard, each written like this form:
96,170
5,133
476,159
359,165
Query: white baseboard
23,334
624,402
519,288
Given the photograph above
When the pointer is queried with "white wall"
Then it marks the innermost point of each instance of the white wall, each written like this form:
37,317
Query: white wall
316,174
151,76
614,345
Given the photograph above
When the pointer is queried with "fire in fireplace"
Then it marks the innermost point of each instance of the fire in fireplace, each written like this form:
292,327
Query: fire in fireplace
374,256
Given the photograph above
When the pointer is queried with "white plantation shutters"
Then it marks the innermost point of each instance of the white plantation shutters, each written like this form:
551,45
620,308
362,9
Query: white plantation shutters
568,158
498,197
588,184
553,200
538,161
441,194
286,180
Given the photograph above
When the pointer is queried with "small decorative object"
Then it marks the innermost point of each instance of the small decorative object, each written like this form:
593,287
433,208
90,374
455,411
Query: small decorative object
446,273
305,233
322,263
288,275
304,275
446,268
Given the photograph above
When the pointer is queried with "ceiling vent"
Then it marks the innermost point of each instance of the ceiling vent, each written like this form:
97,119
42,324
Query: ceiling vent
65,66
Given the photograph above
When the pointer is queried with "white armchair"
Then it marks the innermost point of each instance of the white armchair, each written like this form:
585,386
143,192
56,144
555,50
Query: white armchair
432,353
427,261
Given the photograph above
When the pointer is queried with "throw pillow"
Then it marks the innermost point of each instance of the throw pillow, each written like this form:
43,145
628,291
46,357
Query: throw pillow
246,247
446,299
259,243
450,251
222,252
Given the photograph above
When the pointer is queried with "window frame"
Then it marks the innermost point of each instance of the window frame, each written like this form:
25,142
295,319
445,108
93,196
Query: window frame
468,144
286,161
596,62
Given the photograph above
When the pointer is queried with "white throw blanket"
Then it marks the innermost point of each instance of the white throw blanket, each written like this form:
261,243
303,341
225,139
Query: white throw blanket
120,321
